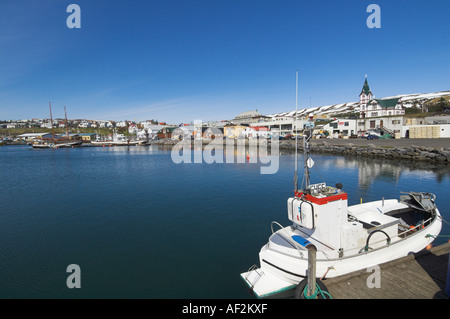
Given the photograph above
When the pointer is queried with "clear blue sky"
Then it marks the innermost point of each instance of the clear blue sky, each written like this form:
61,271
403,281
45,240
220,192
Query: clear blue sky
185,60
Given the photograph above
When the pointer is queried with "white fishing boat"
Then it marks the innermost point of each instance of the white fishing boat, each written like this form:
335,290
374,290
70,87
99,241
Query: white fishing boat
119,140
345,238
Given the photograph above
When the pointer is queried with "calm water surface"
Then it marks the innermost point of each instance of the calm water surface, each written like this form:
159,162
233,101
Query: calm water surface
141,226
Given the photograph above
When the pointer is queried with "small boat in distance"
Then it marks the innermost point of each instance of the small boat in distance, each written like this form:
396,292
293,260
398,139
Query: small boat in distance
345,238
119,140
42,144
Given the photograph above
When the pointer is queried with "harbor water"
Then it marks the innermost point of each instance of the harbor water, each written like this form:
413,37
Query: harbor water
139,225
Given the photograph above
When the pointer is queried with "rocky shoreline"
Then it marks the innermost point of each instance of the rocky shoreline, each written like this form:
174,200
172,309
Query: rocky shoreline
435,154
423,150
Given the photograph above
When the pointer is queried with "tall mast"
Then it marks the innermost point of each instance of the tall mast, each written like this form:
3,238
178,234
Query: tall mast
67,125
51,121
295,124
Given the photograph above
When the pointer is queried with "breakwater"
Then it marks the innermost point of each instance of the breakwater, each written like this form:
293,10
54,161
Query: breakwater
438,153
423,150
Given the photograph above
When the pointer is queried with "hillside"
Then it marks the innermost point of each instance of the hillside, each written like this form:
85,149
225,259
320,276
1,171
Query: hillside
408,100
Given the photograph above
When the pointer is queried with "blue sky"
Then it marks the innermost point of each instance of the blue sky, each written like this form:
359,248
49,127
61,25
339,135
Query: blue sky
184,60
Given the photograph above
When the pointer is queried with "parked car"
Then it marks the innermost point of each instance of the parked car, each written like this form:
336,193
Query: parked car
363,134
372,137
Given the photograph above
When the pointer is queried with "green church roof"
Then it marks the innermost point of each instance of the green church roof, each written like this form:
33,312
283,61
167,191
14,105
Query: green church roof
366,88
386,103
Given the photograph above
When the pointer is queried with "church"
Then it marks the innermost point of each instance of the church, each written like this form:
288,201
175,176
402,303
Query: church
371,107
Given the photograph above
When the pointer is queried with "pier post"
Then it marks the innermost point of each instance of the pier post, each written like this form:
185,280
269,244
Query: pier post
447,287
311,270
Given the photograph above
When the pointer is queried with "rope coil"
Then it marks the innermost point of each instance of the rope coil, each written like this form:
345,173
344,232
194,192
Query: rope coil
324,294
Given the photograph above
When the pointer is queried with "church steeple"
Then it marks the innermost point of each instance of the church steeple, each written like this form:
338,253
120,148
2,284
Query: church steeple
366,88
366,94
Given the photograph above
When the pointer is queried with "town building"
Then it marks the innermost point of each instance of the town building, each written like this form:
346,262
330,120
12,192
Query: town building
283,125
212,133
248,117
87,137
371,107
256,132
342,127
233,130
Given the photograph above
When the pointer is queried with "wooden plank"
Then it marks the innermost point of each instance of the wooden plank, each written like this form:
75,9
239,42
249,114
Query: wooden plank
418,276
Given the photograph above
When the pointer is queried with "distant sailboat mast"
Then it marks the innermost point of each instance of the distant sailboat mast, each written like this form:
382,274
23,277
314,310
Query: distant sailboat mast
67,125
51,121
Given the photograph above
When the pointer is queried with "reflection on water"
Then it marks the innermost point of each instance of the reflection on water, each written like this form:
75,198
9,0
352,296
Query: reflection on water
373,169
141,226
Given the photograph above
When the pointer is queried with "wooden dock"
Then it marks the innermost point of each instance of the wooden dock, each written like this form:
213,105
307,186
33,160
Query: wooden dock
418,276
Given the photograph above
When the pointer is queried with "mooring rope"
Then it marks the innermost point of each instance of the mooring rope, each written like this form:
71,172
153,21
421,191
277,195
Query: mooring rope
323,293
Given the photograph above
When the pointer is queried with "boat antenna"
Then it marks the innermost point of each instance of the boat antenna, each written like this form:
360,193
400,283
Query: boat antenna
308,161
295,124
51,121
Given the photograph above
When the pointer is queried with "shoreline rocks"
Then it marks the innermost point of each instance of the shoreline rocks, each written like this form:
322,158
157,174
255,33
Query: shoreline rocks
388,149
414,153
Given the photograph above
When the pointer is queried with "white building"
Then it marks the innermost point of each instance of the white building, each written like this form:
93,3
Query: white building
121,124
343,127
283,125
84,123
133,129
183,132
248,117
256,132
105,124
371,107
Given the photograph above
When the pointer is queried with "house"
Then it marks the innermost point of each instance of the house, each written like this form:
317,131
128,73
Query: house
133,129
182,132
142,134
233,130
256,132
152,130
121,124
211,133
105,124
87,137
46,125
166,132
84,123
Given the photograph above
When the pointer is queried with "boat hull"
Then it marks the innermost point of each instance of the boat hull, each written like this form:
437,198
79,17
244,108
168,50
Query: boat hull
118,143
59,145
